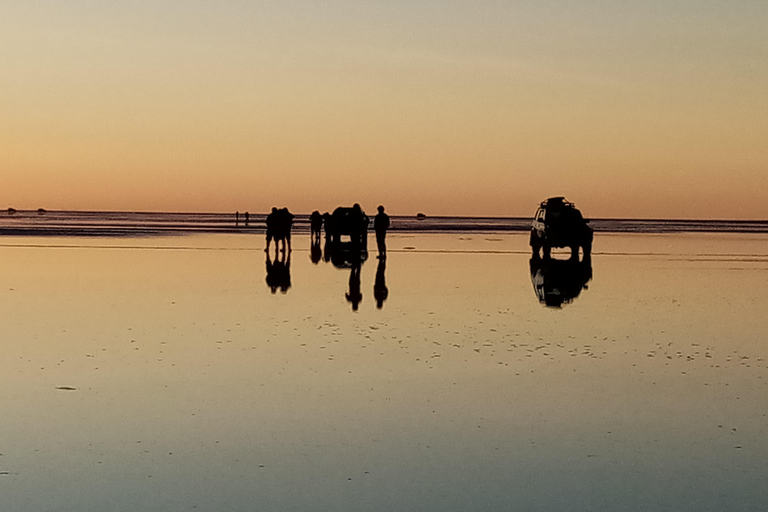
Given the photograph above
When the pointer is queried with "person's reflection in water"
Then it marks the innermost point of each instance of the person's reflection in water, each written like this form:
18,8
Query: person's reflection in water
315,252
272,276
355,296
279,272
327,249
284,267
380,290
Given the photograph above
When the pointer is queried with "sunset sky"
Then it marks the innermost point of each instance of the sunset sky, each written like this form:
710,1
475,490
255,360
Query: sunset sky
647,109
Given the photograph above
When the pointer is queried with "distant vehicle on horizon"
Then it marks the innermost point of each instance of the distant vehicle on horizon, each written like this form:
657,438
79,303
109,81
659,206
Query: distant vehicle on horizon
558,223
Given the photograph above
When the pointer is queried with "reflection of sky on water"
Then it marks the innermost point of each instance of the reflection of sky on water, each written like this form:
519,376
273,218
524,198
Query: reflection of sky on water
195,386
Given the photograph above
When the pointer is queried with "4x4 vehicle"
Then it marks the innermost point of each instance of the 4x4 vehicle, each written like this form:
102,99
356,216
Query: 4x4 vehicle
558,223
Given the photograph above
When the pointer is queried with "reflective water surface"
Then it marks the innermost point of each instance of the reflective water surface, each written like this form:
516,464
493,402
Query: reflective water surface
163,374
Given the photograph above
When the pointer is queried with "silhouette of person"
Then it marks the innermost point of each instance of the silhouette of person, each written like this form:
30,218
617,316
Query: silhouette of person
380,290
272,220
285,225
327,224
359,220
247,218
380,226
355,296
315,225
315,252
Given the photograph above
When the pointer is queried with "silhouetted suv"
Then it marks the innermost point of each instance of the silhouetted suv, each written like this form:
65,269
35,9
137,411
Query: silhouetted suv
558,223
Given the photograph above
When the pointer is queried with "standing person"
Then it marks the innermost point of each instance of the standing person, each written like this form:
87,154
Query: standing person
286,223
272,219
380,226
247,218
315,225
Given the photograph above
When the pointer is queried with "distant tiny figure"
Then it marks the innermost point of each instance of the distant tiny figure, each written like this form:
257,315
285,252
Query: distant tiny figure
315,225
380,290
380,226
247,218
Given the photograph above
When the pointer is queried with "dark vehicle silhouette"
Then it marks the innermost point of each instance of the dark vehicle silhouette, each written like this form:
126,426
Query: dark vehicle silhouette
558,223
352,222
558,282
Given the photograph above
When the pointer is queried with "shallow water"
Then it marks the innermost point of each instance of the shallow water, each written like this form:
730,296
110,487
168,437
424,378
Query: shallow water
196,388
138,224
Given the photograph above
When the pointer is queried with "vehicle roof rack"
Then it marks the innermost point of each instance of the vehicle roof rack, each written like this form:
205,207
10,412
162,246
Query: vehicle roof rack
557,201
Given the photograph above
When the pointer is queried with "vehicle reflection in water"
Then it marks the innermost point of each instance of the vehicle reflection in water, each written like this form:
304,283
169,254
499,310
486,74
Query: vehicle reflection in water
558,282
349,255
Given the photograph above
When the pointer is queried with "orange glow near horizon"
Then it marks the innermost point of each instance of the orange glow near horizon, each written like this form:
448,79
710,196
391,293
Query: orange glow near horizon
482,111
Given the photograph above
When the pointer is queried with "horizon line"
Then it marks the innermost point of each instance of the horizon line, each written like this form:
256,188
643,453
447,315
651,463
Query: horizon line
414,215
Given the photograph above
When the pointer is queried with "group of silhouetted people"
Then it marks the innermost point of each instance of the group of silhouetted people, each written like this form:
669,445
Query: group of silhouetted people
343,221
279,272
279,224
351,254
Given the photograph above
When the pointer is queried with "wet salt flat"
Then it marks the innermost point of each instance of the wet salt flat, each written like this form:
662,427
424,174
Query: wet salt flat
162,374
